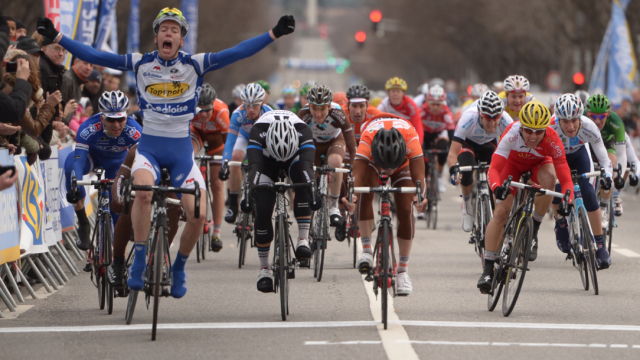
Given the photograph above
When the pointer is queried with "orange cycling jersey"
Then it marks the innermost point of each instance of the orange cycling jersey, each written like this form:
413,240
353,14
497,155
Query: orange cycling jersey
388,121
219,120
358,127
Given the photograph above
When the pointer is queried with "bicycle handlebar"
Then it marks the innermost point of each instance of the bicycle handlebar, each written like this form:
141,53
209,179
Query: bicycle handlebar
535,188
128,187
95,183
330,169
170,201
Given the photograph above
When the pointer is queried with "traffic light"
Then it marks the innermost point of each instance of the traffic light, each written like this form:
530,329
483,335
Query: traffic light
375,17
361,36
578,78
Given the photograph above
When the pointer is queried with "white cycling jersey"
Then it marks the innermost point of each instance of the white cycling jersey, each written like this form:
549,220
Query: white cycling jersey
469,127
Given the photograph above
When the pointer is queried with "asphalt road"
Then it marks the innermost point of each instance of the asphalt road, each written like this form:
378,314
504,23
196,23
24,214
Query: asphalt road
224,316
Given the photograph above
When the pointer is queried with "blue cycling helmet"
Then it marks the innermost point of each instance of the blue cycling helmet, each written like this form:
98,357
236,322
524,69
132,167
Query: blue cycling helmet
113,104
288,90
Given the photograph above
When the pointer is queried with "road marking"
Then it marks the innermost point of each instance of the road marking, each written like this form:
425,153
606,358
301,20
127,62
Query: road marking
476,343
395,340
626,252
361,342
322,324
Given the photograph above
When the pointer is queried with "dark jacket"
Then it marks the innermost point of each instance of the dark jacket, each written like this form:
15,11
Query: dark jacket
14,105
71,86
48,68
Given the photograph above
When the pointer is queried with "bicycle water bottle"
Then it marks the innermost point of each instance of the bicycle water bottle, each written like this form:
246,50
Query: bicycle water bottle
576,191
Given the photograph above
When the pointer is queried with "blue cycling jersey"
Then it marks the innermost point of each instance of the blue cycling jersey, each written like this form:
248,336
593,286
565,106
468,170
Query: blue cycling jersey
102,150
168,90
239,126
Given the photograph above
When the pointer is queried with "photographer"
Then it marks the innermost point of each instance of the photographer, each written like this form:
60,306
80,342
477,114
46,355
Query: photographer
14,105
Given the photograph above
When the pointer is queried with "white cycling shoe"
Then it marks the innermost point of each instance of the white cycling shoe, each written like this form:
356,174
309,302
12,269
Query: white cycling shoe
442,185
265,281
403,284
467,218
365,263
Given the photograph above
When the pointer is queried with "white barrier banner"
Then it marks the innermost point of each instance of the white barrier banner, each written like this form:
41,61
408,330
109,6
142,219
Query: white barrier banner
52,193
31,199
49,235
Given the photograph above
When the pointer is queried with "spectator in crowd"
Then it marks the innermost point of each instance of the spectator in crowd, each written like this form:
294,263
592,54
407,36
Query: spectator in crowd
114,84
21,29
8,179
13,106
30,46
37,37
73,80
91,89
12,27
82,113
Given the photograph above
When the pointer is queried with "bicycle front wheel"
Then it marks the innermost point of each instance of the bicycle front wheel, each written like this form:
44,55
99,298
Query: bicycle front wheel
499,267
282,268
609,230
157,285
131,306
385,274
242,238
517,265
324,236
589,249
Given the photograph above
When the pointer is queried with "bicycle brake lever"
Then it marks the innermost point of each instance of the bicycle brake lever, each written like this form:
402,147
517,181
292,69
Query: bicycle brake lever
196,210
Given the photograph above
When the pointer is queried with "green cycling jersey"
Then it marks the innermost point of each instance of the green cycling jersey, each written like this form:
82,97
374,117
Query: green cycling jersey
612,132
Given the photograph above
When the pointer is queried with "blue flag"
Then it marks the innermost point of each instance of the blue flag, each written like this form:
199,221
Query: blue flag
107,12
133,38
86,27
190,12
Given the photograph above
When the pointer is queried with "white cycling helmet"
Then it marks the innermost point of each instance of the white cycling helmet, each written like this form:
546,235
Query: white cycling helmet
478,89
253,93
113,104
238,90
436,81
568,107
490,104
282,136
436,93
516,83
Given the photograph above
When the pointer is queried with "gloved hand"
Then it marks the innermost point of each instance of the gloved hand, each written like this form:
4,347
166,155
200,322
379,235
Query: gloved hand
223,174
286,25
46,28
565,209
72,197
618,182
606,183
318,203
452,175
633,180
501,192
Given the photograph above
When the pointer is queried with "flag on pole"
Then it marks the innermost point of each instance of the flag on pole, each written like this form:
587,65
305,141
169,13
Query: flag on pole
190,12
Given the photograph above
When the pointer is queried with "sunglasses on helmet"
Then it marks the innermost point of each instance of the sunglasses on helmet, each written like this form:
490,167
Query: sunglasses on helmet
170,12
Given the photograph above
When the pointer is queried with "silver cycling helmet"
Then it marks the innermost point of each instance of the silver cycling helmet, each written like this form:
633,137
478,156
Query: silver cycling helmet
568,107
282,136
253,93
490,105
113,104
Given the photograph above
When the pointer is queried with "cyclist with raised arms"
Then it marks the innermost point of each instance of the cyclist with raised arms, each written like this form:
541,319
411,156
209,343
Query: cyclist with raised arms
515,95
575,131
437,122
103,141
399,104
389,144
611,128
235,148
332,133
168,83
475,140
211,125
279,140
526,145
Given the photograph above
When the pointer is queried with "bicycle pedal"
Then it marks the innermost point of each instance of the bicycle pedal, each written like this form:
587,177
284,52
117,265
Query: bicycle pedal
369,278
166,292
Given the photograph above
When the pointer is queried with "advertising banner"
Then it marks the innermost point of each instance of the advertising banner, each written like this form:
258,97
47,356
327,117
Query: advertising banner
9,223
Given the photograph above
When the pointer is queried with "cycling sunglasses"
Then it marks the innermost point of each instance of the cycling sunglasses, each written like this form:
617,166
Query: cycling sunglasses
492,118
113,120
529,131
171,11
598,116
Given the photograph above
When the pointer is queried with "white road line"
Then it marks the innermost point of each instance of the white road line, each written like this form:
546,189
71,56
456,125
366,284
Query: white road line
325,324
395,340
477,343
626,252
361,342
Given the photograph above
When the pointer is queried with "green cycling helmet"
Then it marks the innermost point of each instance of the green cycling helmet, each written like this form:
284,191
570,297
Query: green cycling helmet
598,104
265,85
305,90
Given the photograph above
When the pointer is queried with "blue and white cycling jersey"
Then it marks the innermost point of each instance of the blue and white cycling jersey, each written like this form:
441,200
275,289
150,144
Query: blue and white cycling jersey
240,127
94,148
168,91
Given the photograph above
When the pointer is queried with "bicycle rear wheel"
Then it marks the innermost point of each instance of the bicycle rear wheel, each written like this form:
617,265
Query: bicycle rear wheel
385,275
517,265
158,259
241,233
589,249
352,232
282,269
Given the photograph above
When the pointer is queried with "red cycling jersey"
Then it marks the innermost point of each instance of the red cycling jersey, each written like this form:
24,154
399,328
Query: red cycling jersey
407,109
513,157
433,123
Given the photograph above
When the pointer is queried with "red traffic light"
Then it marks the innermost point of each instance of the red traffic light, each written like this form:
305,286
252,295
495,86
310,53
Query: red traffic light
375,16
578,78
361,36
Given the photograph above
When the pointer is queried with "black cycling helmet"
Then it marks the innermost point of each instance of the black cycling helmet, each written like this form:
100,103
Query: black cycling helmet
207,95
358,92
388,148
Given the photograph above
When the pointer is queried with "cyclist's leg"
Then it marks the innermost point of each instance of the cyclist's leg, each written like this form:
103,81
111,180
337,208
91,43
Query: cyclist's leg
264,227
84,226
335,156
406,228
173,214
428,144
365,174
543,174
196,140
301,209
466,157
442,143
217,191
235,178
